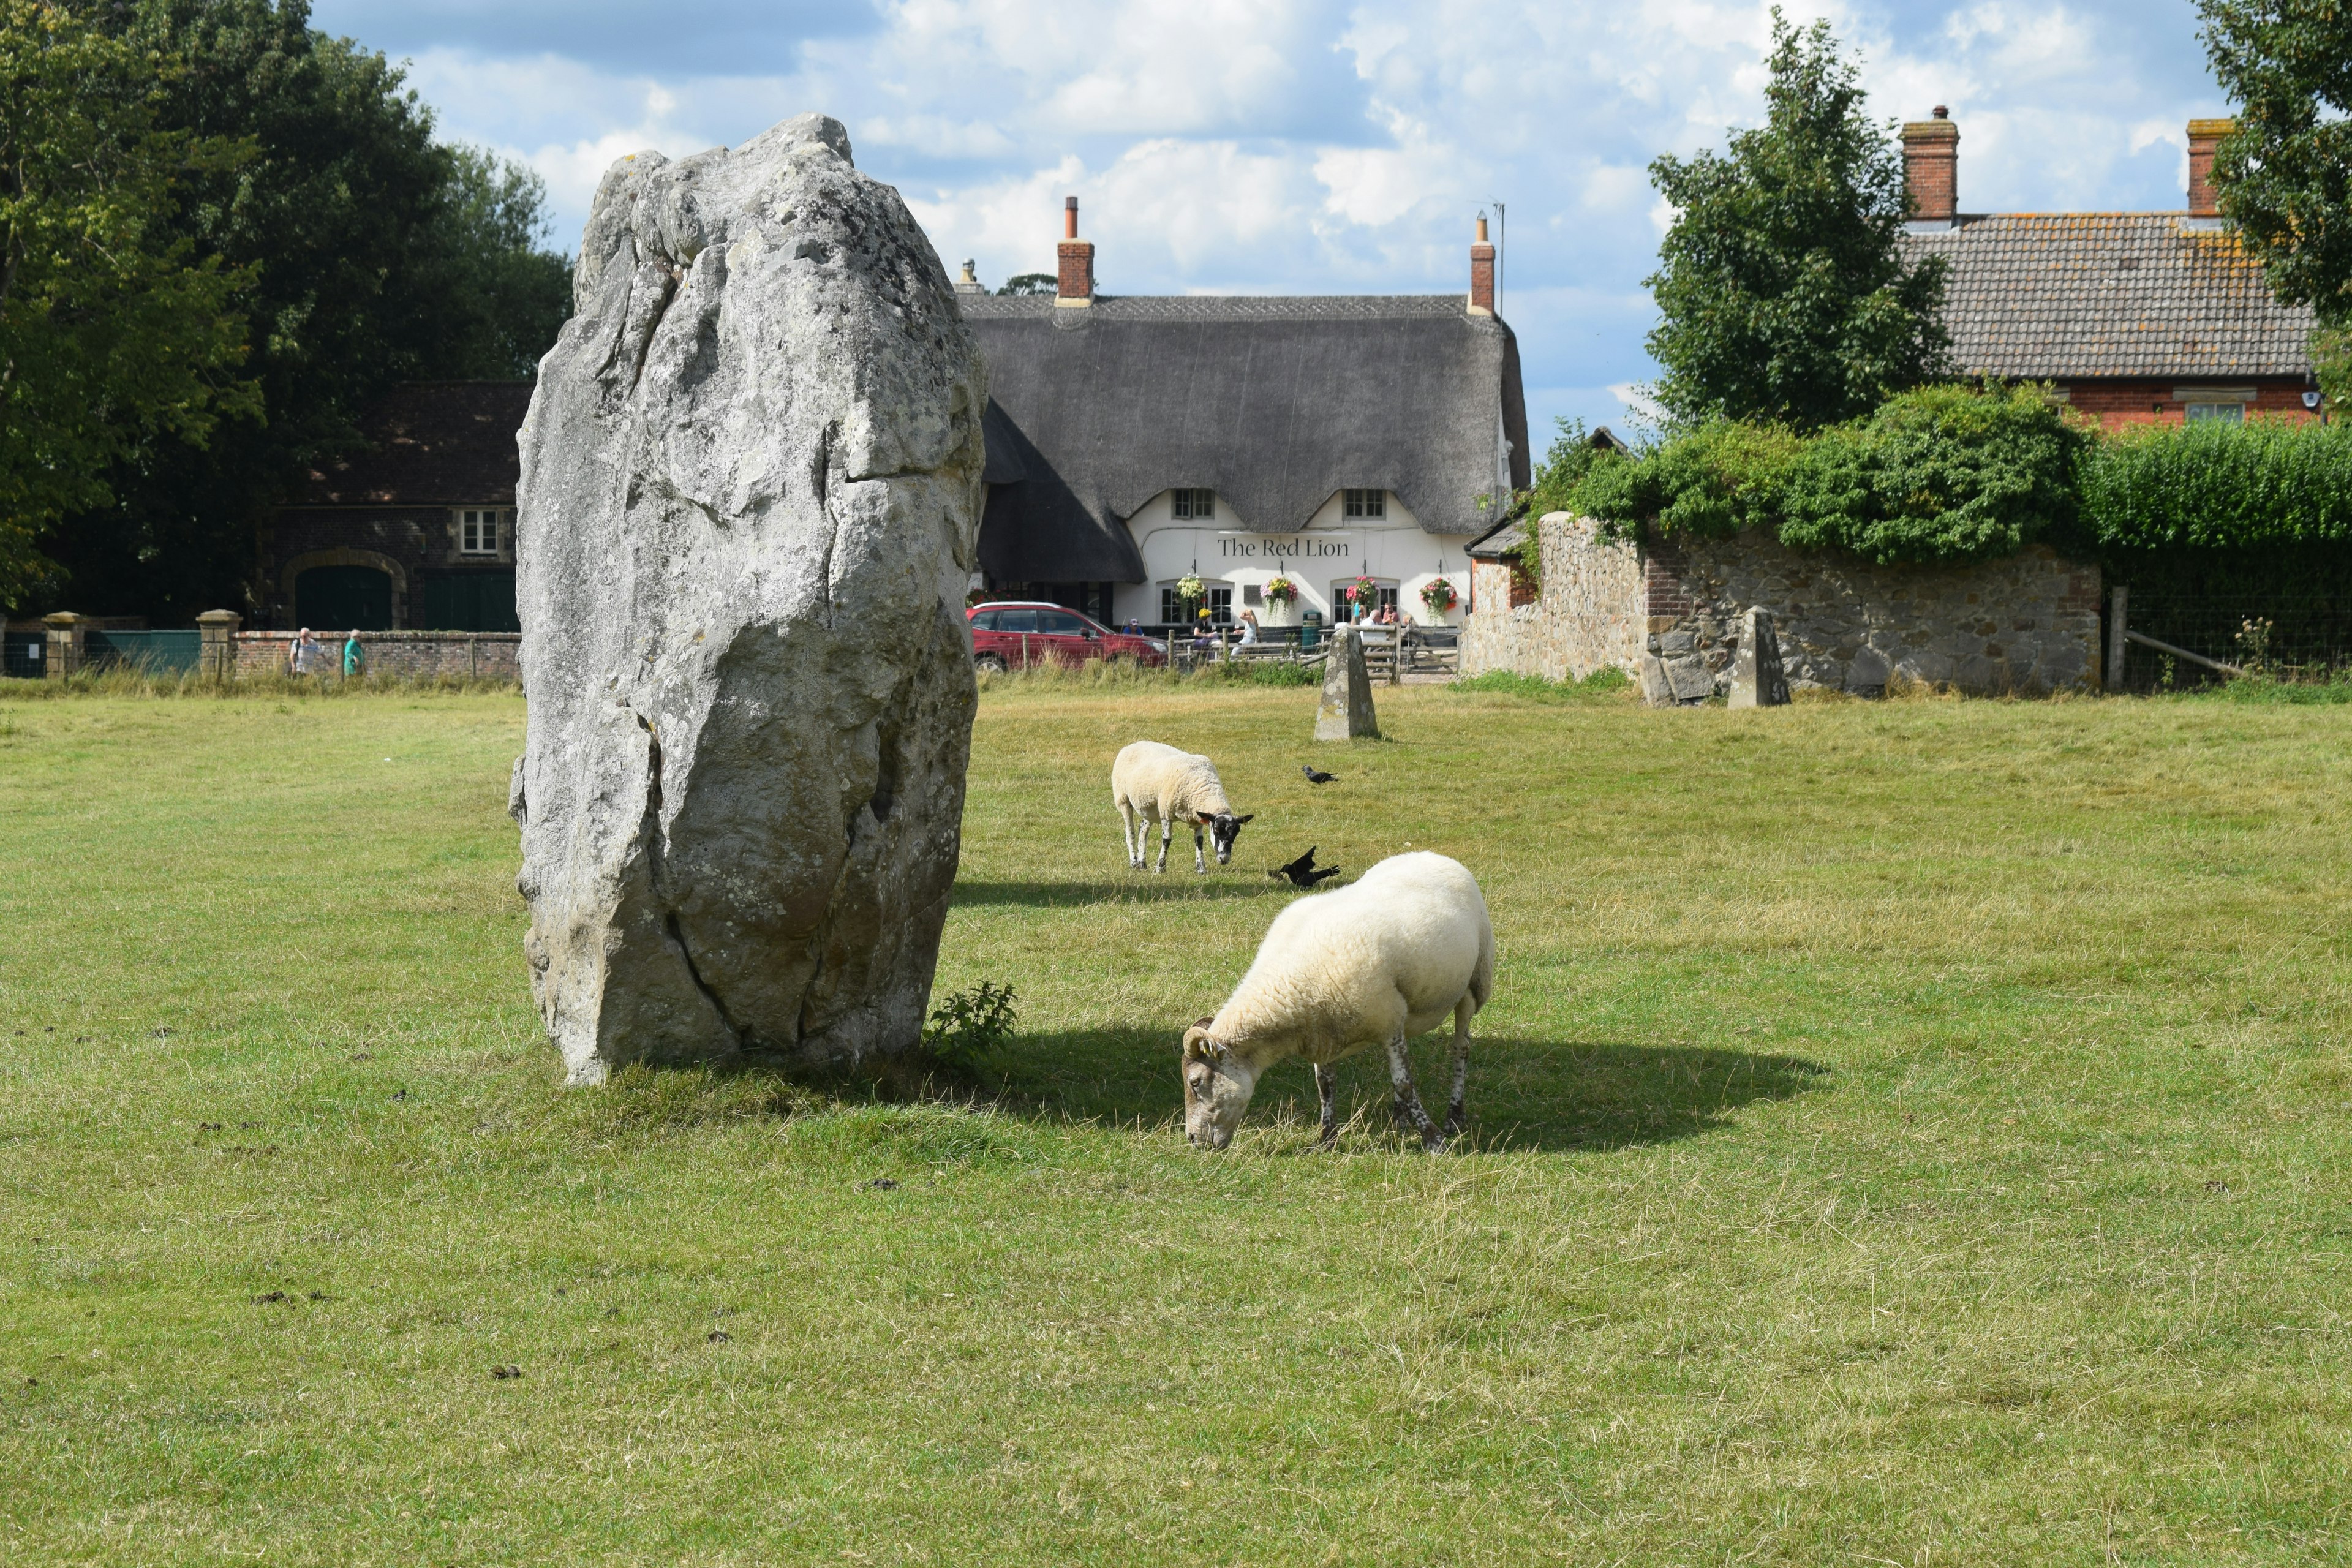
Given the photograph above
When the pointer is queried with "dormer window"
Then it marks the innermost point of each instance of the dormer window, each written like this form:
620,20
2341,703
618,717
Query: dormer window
1364,503
480,530
1195,505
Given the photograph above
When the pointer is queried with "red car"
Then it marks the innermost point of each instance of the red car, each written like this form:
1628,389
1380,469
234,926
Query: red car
1017,633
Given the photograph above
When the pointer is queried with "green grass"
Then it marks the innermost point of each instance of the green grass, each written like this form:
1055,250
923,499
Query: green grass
1906,1133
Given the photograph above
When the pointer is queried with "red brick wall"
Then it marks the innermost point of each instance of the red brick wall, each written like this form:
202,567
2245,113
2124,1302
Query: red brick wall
425,655
1076,277
1481,277
1931,169
1662,583
2119,403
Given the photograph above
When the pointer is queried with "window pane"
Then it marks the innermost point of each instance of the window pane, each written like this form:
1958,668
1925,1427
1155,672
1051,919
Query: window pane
1204,503
984,622
1376,503
1016,620
1060,622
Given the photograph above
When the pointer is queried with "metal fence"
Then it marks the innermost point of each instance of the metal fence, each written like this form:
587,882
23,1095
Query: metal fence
2283,638
157,653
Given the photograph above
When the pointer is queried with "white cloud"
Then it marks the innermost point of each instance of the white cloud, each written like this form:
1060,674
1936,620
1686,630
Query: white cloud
1341,145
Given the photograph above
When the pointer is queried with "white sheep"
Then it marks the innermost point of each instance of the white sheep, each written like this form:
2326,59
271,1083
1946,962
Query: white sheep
1373,964
1151,783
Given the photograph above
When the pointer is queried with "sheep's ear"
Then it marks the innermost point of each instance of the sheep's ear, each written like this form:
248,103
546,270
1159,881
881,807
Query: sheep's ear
1239,820
1203,1022
1196,1043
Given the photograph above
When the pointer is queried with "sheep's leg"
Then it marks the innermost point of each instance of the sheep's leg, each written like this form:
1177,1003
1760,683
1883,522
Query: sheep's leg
1200,861
1167,831
1327,1087
1408,1100
1130,836
1453,1113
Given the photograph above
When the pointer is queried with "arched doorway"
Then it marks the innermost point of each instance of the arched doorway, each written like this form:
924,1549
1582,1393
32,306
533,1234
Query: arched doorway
343,598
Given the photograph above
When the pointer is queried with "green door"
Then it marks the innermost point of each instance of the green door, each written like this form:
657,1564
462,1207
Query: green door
343,598
466,602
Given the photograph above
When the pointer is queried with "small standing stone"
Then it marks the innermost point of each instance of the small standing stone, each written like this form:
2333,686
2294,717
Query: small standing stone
1346,713
1757,680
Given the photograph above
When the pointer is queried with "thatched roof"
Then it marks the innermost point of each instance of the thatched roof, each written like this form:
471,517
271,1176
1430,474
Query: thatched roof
1274,404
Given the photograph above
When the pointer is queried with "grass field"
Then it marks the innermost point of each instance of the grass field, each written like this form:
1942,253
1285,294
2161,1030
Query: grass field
1908,1134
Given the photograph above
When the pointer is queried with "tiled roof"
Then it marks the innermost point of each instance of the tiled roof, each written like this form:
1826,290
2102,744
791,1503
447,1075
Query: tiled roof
431,443
2062,295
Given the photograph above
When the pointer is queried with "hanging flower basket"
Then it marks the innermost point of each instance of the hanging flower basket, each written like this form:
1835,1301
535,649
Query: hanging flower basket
1190,590
1438,595
1365,591
1282,590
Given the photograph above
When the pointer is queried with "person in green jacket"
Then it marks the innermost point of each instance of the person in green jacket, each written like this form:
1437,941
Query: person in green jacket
355,658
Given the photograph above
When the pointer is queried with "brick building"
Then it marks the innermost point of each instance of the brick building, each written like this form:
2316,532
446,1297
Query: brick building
416,532
2137,318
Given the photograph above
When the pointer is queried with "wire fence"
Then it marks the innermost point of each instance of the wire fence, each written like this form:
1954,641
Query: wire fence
2270,637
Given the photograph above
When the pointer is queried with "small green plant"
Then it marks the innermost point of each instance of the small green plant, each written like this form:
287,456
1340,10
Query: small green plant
972,1026
2254,647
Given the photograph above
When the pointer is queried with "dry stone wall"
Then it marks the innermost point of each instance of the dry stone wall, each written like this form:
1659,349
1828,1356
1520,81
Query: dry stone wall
1671,616
416,656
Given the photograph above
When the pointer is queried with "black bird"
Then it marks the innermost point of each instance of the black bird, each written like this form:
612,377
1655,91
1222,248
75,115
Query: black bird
1313,777
1302,872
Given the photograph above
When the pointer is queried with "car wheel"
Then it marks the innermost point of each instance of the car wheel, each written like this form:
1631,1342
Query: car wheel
989,661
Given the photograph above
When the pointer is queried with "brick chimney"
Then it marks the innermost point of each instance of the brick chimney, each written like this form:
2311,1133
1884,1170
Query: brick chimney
1482,273
1074,282
1931,167
2204,138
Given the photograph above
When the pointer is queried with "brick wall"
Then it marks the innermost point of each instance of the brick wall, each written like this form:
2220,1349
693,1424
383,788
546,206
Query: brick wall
1671,616
418,656
2118,403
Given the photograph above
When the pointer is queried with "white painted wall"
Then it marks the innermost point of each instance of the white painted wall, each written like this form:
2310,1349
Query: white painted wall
1331,547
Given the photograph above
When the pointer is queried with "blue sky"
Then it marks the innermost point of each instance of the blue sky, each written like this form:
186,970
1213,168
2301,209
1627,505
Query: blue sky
1293,146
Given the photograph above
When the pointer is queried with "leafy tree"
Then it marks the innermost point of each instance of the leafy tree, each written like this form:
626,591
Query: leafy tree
1783,292
1032,283
373,255
115,333
2286,175
1938,474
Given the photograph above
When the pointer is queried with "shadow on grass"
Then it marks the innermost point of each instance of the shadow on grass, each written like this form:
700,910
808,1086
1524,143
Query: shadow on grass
1147,887
1524,1094
1549,1096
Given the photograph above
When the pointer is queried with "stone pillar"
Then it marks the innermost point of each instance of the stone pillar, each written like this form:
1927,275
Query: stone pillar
1757,680
64,652
1346,713
216,654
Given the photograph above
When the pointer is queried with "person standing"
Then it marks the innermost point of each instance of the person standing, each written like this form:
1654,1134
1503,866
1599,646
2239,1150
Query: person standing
306,656
354,656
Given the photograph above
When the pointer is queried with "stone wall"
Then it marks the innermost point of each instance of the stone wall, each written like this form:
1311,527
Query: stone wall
1588,616
1670,617
410,655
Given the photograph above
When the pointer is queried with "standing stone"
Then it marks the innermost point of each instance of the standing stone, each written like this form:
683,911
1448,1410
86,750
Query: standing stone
1757,680
748,507
1346,713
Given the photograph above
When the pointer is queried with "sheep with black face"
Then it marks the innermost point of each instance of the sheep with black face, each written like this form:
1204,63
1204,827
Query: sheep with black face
1372,963
1153,782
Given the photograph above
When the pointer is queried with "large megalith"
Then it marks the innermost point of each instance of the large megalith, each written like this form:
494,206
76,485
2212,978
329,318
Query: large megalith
748,507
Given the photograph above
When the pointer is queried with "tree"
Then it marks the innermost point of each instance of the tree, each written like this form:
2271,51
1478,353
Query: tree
1783,294
371,255
115,333
1032,283
2286,175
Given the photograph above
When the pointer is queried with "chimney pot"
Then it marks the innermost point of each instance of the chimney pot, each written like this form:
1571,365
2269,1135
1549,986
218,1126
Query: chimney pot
1931,167
1482,273
2204,140
1074,276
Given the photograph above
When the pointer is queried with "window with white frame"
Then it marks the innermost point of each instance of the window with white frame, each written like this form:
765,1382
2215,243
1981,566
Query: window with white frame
1364,503
482,531
1193,505
2225,413
1218,600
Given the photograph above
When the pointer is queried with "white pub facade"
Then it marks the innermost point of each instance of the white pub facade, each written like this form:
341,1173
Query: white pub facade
1312,443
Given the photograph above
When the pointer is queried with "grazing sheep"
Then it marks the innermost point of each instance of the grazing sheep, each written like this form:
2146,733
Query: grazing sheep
1151,783
1372,963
